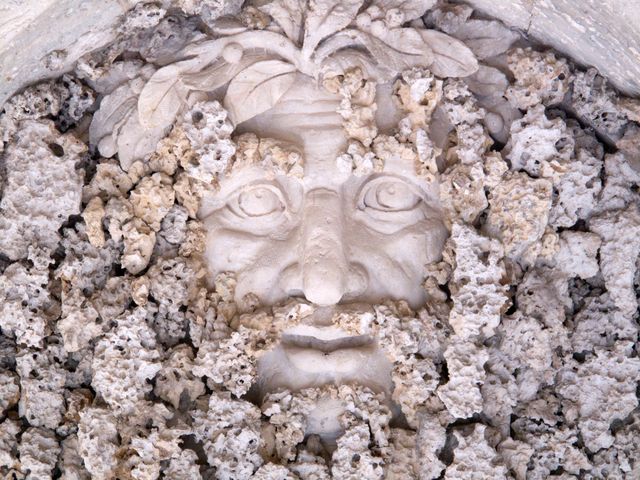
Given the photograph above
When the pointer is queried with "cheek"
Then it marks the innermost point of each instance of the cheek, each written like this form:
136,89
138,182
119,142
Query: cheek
259,263
396,261
229,251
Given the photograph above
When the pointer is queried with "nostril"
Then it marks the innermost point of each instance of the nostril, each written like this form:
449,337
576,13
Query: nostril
291,281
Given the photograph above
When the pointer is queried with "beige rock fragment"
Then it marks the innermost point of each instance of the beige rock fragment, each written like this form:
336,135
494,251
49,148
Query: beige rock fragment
109,181
93,214
152,198
80,322
430,440
195,239
552,447
620,176
271,471
175,381
578,189
140,290
26,305
9,430
419,92
352,459
208,130
98,442
474,458
230,363
595,103
414,343
42,382
476,289
600,324
139,240
577,254
516,456
173,229
400,465
620,234
528,346
539,146
540,77
124,359
461,394
38,450
42,187
85,267
459,103
9,390
462,192
153,449
114,298
184,467
358,106
71,463
276,157
619,459
288,414
188,193
518,214
599,391
118,211
226,427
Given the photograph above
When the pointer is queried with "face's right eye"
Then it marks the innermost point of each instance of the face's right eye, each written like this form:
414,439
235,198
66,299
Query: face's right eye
257,201
259,208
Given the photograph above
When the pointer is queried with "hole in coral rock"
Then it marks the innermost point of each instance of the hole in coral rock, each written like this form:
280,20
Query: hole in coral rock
56,149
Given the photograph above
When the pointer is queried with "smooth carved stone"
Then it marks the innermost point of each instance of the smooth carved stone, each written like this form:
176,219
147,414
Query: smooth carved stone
329,236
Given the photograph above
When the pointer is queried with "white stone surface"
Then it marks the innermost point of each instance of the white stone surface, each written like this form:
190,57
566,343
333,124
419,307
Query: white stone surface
603,34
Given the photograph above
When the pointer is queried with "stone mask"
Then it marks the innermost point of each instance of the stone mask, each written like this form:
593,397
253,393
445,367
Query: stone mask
327,235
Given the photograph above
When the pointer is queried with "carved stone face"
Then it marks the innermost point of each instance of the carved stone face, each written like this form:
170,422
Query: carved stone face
330,236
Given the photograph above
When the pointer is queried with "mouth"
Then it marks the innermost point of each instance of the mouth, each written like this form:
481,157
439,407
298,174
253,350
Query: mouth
312,356
325,340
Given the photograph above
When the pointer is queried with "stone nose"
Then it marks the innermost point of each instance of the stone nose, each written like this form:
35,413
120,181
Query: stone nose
326,271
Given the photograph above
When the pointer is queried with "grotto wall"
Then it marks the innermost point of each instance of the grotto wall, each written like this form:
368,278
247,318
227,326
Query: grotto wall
603,34
310,240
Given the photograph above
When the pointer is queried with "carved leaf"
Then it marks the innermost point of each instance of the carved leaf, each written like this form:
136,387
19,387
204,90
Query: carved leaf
258,88
486,38
162,97
326,17
409,43
412,9
289,14
452,58
135,141
113,109
399,49
220,72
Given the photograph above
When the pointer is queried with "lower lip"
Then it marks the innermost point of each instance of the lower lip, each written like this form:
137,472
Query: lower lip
344,360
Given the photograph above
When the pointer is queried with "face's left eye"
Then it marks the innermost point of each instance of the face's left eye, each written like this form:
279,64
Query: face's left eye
388,204
258,200
389,194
